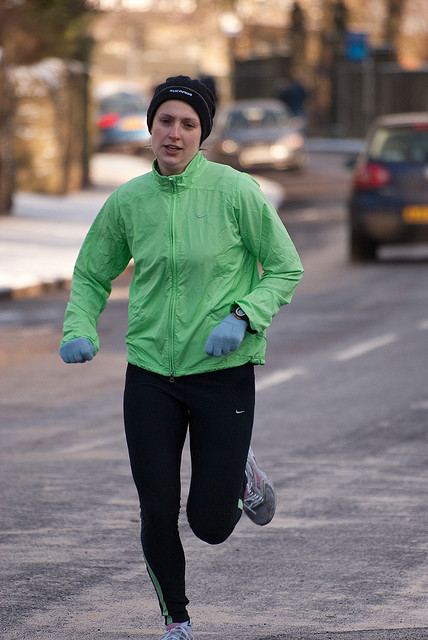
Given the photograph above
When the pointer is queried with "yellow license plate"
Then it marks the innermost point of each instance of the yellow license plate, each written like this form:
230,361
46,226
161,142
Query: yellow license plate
415,214
132,123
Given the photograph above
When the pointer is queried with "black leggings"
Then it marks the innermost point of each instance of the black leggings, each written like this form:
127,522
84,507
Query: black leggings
218,409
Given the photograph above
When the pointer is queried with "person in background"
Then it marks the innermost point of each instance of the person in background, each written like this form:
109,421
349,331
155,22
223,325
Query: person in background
198,310
294,95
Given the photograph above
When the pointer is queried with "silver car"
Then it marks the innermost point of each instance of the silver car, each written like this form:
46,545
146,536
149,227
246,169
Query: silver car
250,134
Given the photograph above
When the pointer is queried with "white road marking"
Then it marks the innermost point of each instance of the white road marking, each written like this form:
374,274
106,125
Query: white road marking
365,347
89,445
419,406
279,376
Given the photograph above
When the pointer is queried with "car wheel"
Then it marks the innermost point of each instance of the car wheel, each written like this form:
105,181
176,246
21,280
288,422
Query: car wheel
362,248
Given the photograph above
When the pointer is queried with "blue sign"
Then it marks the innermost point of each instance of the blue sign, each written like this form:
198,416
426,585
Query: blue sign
356,46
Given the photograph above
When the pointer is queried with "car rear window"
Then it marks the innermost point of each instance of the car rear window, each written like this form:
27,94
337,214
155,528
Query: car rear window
255,118
122,103
400,144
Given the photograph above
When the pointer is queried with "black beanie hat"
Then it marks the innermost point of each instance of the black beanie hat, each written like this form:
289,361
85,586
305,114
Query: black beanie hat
195,93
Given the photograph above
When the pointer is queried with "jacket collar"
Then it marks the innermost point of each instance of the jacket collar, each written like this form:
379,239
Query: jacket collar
181,180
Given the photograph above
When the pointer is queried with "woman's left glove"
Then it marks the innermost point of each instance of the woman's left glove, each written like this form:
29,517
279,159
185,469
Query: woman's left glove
77,350
226,336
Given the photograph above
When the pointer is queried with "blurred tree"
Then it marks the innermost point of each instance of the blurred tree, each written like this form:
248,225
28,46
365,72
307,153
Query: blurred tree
331,50
392,25
7,106
340,16
297,38
297,19
34,29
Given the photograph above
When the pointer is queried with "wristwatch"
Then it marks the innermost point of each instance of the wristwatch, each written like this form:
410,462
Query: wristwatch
238,313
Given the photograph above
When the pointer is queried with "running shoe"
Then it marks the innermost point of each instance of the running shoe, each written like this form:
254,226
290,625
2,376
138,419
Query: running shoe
259,496
181,631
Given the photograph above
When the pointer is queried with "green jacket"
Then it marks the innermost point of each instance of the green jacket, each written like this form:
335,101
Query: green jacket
195,239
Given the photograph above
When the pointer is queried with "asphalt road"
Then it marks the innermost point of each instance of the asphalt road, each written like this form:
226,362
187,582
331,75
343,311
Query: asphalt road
341,425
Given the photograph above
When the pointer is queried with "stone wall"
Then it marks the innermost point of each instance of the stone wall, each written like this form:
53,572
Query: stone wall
50,126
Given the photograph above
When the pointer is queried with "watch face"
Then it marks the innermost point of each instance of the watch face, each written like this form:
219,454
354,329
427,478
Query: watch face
239,312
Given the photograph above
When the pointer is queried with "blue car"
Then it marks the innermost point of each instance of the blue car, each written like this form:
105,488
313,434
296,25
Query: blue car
121,122
389,196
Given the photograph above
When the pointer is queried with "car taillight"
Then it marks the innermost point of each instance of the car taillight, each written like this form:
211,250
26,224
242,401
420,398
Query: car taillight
107,120
371,176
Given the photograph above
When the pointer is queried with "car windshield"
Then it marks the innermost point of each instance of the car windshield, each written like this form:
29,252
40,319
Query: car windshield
255,118
400,144
123,103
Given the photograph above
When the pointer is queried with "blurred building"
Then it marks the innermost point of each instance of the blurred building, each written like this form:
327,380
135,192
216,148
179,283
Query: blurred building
254,46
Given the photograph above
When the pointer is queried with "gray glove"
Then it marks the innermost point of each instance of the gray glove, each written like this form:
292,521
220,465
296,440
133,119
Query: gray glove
226,336
77,350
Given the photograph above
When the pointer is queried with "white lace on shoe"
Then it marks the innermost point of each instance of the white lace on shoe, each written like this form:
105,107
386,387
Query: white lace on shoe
259,498
252,499
180,632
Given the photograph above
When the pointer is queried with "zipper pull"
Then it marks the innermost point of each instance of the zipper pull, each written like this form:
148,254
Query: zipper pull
171,377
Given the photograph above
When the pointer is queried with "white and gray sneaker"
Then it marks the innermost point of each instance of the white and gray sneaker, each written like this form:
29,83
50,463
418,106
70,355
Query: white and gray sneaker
178,631
259,496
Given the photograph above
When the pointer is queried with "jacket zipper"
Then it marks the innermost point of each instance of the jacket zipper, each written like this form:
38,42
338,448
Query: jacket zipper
173,280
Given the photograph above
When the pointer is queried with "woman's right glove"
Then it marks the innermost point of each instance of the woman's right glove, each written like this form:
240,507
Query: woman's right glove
77,350
226,336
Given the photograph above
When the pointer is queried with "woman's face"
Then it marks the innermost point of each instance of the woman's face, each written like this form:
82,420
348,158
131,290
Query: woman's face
176,133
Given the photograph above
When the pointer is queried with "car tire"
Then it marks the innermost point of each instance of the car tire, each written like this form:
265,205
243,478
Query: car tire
362,248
